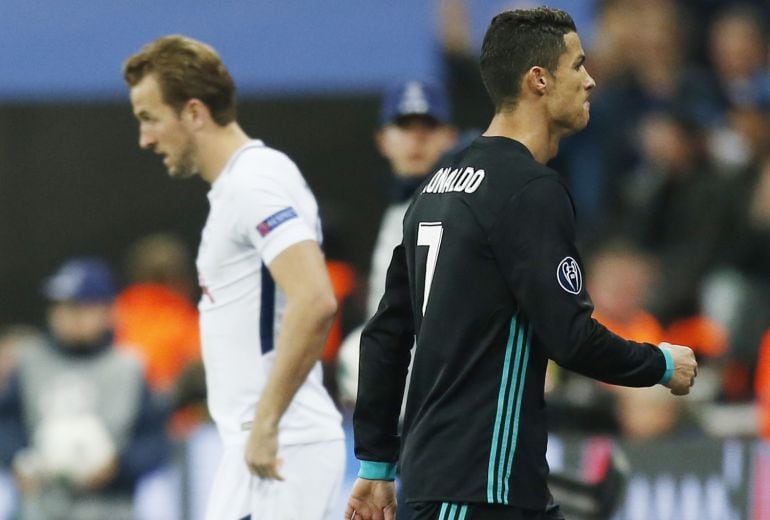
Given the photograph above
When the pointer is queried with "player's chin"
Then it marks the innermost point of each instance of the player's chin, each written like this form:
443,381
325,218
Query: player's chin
180,173
574,126
585,112
582,121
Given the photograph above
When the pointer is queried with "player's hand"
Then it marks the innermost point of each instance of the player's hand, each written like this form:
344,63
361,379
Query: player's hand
372,500
262,451
685,368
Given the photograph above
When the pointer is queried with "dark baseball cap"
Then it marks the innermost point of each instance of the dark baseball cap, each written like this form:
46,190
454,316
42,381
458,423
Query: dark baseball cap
82,280
415,98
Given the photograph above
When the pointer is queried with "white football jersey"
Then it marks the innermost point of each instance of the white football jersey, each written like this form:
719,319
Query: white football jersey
260,205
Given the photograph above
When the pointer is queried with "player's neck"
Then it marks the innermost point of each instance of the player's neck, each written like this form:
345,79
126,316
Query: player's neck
216,146
527,125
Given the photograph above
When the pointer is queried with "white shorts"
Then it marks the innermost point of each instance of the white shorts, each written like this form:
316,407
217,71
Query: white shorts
310,490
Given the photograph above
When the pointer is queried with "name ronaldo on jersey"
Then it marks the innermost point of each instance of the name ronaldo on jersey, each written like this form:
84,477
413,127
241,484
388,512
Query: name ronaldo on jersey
448,180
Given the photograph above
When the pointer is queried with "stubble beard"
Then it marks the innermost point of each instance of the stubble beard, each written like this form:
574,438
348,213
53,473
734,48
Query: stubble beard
576,123
185,167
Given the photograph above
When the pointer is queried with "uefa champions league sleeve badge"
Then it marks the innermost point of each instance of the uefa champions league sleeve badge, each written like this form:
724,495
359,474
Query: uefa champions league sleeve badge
569,276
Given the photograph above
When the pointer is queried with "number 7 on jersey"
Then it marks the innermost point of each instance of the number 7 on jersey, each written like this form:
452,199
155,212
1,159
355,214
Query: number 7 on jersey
429,234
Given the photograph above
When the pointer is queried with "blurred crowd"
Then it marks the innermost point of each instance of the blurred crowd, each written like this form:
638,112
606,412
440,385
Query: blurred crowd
681,133
671,182
90,403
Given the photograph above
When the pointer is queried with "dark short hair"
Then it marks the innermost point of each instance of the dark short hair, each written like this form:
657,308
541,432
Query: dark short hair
185,69
517,41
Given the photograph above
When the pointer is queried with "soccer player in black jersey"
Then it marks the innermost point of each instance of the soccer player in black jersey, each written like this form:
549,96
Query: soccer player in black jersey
489,281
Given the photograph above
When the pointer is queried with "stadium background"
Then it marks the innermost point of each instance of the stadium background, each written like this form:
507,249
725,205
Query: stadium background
73,180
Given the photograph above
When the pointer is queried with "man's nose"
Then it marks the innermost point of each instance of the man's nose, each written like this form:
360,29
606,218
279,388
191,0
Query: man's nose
146,140
590,83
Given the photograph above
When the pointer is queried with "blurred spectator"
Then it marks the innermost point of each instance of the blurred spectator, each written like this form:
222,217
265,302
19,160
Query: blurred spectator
79,427
677,211
156,319
701,15
652,75
415,131
154,315
608,53
738,49
619,278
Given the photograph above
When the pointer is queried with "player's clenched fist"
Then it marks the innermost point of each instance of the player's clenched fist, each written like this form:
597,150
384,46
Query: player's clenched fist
372,500
685,368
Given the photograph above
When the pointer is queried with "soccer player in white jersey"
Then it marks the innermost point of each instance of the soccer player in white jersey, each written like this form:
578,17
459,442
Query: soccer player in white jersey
267,302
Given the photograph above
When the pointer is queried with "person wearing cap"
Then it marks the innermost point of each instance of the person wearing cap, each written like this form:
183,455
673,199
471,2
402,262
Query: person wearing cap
415,131
79,426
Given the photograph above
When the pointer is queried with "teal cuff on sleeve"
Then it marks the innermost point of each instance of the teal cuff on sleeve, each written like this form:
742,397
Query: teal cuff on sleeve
669,373
377,470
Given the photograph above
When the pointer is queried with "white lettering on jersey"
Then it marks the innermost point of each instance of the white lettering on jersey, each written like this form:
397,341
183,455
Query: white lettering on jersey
458,180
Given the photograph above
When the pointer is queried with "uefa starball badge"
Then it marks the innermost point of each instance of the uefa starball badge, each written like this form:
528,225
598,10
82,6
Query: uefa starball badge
569,276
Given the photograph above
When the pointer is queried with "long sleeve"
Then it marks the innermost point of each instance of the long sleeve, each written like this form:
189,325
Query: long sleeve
543,270
385,353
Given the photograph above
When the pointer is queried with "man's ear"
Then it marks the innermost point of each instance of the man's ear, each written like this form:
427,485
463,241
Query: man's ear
536,80
196,113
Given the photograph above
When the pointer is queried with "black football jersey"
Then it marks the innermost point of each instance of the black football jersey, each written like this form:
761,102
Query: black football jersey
488,285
